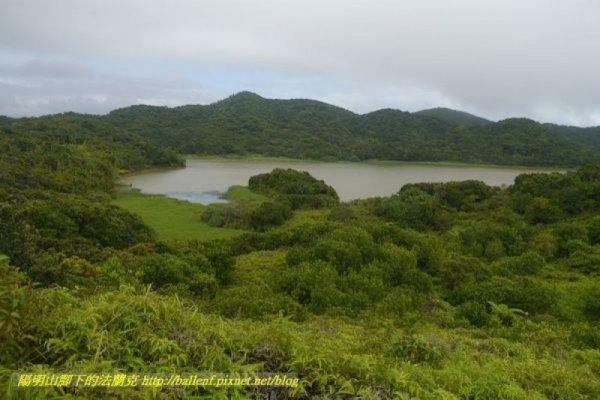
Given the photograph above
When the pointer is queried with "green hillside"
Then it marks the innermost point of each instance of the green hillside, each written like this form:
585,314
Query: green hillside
454,116
589,135
247,124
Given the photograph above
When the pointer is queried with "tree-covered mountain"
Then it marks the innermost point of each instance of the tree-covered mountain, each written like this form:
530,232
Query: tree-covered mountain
454,116
589,135
246,123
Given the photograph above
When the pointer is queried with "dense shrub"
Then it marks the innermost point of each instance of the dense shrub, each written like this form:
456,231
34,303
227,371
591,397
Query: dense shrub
594,231
418,350
492,240
525,294
476,313
542,211
415,209
569,235
235,215
167,270
585,259
299,189
591,306
269,214
528,263
465,195
341,213
460,270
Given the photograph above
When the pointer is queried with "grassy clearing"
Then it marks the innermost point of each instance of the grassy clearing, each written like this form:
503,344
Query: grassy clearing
241,194
171,219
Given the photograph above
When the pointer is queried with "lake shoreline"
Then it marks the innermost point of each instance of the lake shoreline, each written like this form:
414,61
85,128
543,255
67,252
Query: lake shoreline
352,180
259,158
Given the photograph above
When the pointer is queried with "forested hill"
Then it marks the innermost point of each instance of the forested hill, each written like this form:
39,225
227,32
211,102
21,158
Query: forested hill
71,153
248,124
454,116
588,135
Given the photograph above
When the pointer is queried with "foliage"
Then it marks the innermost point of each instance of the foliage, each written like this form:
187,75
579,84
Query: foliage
450,291
594,231
247,124
174,219
418,350
269,214
298,189
234,216
453,116
414,208
505,314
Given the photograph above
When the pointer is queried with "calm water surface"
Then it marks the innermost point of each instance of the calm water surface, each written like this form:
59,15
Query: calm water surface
204,181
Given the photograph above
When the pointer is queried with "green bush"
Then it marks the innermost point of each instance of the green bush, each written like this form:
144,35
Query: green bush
476,313
234,216
341,213
591,305
298,189
593,229
491,240
415,209
542,211
460,270
524,293
416,349
584,259
162,270
314,286
269,214
568,233
586,335
528,263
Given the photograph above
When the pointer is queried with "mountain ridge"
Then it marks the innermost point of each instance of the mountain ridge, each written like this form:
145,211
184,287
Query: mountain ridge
426,112
248,124
457,116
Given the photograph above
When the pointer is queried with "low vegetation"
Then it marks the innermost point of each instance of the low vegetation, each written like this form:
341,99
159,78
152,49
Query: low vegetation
172,219
441,291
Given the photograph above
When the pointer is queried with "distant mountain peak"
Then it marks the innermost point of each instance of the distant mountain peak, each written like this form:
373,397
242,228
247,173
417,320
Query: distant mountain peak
386,111
244,95
454,116
518,121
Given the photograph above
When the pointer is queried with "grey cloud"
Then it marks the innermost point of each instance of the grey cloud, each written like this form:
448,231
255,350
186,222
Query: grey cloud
538,58
47,69
32,88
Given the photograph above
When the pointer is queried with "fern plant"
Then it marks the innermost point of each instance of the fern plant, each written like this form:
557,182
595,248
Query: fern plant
505,314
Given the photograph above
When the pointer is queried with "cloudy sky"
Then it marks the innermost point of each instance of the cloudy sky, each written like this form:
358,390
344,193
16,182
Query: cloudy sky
495,58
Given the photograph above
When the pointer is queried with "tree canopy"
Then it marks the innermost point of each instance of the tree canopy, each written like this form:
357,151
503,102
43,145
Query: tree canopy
442,290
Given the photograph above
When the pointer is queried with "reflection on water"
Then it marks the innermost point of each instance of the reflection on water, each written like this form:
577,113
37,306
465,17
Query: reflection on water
203,181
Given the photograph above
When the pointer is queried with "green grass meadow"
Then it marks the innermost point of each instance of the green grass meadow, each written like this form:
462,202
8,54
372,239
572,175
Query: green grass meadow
171,219
241,194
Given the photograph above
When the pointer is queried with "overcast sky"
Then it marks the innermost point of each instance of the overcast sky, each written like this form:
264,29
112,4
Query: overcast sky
494,58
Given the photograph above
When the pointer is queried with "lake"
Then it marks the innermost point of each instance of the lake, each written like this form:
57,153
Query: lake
205,180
